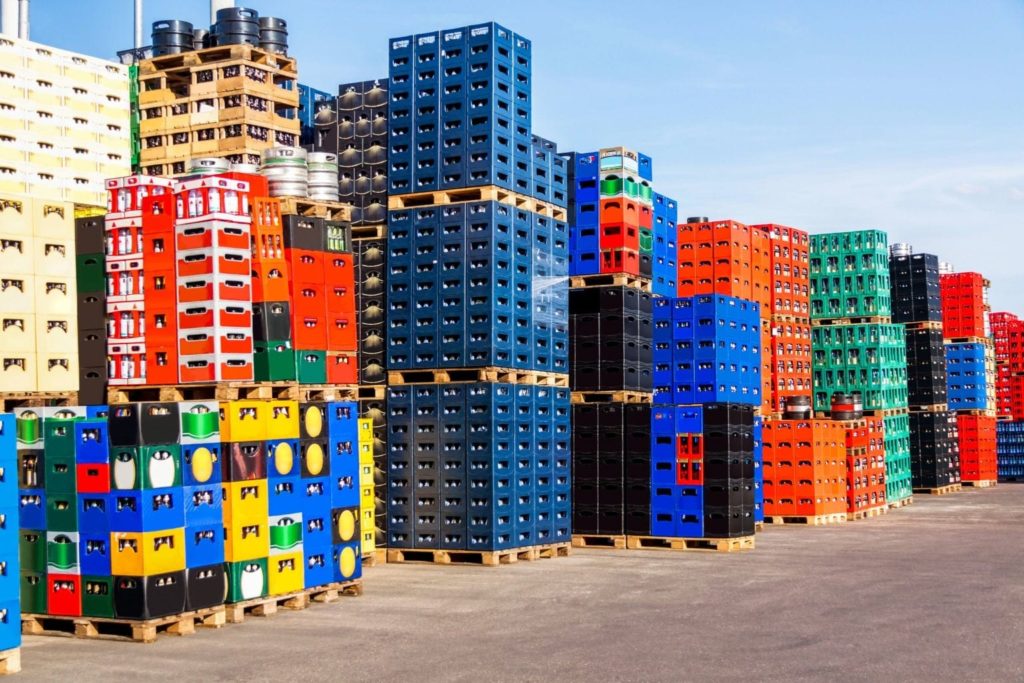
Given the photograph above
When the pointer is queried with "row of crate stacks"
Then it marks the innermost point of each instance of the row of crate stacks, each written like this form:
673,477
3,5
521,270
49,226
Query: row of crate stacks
147,510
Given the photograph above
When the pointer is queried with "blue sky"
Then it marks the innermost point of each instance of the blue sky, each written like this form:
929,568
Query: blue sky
906,116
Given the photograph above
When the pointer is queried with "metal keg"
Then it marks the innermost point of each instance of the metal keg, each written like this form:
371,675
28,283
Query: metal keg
286,172
796,408
208,166
844,407
252,169
274,35
898,249
171,37
946,268
237,26
323,176
200,39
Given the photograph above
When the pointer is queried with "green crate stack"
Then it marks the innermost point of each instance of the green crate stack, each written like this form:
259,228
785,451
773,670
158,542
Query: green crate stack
849,273
898,484
133,98
870,358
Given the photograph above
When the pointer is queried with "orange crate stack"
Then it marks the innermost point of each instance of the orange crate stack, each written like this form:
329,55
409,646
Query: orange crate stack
977,447
804,468
865,464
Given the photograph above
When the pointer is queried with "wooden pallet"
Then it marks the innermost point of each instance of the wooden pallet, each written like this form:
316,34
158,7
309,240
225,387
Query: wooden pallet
811,520
375,558
866,320
12,400
233,391
925,325
236,612
901,503
941,490
487,558
10,661
225,53
990,412
985,341
332,211
981,483
368,392
136,630
369,232
785,318
720,545
867,513
447,376
613,279
477,194
758,526
934,408
612,397
598,541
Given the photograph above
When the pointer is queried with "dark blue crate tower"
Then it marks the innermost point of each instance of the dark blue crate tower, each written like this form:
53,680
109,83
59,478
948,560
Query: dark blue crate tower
478,466
1010,450
707,348
476,284
10,587
479,281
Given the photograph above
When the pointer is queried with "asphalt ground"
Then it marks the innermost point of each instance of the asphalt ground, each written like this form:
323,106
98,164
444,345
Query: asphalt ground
930,592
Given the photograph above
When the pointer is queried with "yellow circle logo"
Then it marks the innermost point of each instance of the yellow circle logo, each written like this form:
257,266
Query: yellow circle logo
346,525
202,464
314,459
347,562
284,458
314,421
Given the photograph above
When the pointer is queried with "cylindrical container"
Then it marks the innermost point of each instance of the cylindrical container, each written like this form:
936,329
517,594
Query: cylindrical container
796,408
323,176
858,403
253,169
286,172
900,249
208,166
171,37
237,26
697,219
274,35
844,407
200,38
946,268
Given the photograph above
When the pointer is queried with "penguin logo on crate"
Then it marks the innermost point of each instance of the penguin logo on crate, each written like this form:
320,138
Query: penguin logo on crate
252,581
124,470
162,470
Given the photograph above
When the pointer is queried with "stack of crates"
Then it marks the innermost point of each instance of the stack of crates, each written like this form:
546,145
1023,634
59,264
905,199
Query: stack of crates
155,509
1010,446
805,470
126,303
10,577
1007,338
476,266
934,451
865,467
613,213
787,355
322,298
360,138
611,361
90,281
666,249
707,391
39,335
972,372
851,314
211,262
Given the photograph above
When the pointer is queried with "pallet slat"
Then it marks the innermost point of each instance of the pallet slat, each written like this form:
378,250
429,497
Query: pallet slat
236,612
941,490
809,520
720,545
136,630
486,558
867,514
598,541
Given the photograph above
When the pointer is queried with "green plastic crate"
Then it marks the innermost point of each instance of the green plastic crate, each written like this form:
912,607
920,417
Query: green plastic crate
849,275
898,485
274,361
870,358
33,592
98,596
89,273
